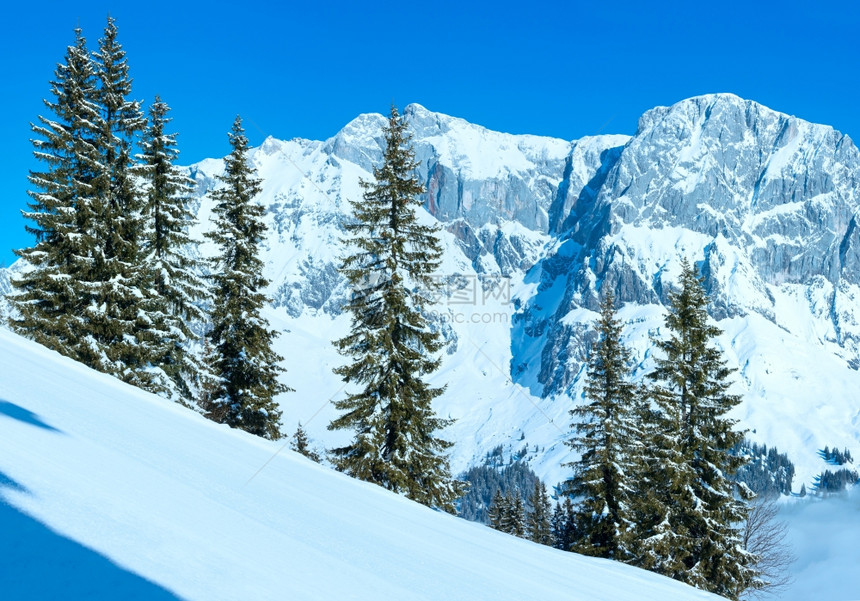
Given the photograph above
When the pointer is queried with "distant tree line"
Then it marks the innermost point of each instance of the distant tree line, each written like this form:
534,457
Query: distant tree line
486,481
836,456
828,482
767,471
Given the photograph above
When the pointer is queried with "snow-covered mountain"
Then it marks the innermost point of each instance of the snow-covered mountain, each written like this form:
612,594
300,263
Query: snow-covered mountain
108,492
533,227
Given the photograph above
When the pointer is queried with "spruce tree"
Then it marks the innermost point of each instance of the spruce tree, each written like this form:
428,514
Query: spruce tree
87,295
517,516
50,298
663,543
563,525
700,505
608,439
169,252
498,510
512,514
300,444
557,526
242,361
123,316
391,345
538,520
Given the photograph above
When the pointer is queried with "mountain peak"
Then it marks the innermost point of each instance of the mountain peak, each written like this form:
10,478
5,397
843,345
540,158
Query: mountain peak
723,108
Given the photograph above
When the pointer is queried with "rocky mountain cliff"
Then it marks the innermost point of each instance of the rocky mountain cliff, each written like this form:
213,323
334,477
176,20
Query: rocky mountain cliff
766,203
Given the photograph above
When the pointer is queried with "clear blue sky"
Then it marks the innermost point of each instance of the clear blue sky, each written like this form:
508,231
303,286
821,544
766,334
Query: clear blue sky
304,69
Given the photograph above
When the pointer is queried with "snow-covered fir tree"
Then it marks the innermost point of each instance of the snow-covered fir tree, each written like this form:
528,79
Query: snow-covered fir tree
169,252
512,514
608,439
88,295
538,519
50,297
124,320
391,345
241,359
700,541
663,542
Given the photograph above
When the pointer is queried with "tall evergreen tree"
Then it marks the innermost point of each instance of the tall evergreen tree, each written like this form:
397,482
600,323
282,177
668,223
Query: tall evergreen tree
663,542
169,252
242,360
701,505
50,298
512,519
517,516
608,439
390,343
86,295
122,314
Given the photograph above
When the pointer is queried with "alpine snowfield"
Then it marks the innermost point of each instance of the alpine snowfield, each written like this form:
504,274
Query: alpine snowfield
107,492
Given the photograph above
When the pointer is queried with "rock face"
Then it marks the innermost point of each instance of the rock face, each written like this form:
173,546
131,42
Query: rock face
499,196
762,201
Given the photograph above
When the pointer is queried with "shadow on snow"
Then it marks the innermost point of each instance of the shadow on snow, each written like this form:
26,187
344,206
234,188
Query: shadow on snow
38,564
14,411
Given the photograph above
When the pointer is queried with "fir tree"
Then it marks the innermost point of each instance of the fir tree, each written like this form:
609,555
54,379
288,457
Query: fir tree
87,295
563,525
51,296
558,527
391,344
663,542
123,316
699,504
608,438
517,519
538,520
513,515
300,444
569,531
498,510
169,251
244,365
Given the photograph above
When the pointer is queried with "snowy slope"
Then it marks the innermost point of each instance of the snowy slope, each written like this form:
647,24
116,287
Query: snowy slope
107,492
